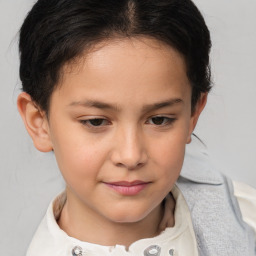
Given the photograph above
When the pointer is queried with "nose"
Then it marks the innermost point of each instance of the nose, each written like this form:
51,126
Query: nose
130,149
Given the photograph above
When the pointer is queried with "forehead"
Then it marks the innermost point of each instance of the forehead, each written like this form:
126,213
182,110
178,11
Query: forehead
126,69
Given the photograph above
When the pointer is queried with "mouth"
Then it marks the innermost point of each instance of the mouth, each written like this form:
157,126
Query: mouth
127,188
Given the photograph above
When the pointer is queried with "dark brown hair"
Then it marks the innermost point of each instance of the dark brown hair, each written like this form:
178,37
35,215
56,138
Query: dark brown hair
57,31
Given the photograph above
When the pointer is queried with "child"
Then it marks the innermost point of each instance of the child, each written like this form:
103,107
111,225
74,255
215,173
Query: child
115,89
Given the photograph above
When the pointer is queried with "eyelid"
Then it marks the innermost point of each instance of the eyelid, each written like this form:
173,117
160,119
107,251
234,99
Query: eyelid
170,120
86,122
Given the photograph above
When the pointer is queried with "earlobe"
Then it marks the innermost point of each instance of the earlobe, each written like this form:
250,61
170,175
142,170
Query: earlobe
35,122
195,115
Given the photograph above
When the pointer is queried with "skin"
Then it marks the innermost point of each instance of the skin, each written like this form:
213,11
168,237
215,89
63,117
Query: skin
138,91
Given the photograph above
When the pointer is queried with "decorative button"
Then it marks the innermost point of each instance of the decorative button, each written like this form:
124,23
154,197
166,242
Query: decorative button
77,251
171,252
153,250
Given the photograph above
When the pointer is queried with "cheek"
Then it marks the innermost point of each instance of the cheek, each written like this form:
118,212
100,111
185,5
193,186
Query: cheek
169,154
78,158
171,160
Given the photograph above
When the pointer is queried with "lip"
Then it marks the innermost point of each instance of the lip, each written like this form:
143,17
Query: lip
127,188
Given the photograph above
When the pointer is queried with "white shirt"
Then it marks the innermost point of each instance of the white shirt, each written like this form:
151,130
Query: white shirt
50,240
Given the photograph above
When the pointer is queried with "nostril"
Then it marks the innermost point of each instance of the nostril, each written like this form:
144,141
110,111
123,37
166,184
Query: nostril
131,166
135,167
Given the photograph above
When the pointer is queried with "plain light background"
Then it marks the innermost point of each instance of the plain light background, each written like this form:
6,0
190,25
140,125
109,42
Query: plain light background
30,179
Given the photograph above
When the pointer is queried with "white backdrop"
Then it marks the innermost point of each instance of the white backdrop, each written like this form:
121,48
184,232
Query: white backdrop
30,179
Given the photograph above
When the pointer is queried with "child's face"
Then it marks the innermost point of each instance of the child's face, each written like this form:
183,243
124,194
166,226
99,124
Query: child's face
118,124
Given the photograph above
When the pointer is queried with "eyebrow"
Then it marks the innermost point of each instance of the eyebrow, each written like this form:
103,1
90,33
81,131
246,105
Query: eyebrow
94,104
163,104
146,108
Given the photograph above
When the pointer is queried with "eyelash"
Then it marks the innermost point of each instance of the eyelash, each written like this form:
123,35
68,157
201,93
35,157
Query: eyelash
167,121
88,122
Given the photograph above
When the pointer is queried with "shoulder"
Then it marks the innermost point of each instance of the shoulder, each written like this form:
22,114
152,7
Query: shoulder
246,197
213,204
41,238
49,239
42,241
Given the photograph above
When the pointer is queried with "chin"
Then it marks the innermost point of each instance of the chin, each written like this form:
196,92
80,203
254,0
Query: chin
129,215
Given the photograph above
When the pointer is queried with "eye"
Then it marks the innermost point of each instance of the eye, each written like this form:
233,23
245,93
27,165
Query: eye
95,122
161,120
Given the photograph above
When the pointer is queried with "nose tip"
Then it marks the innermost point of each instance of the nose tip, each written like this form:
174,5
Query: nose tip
131,159
130,153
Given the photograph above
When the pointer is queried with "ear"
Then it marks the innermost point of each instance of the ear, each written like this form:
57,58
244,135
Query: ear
195,115
35,122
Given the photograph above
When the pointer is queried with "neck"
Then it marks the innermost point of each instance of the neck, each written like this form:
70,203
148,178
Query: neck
86,225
